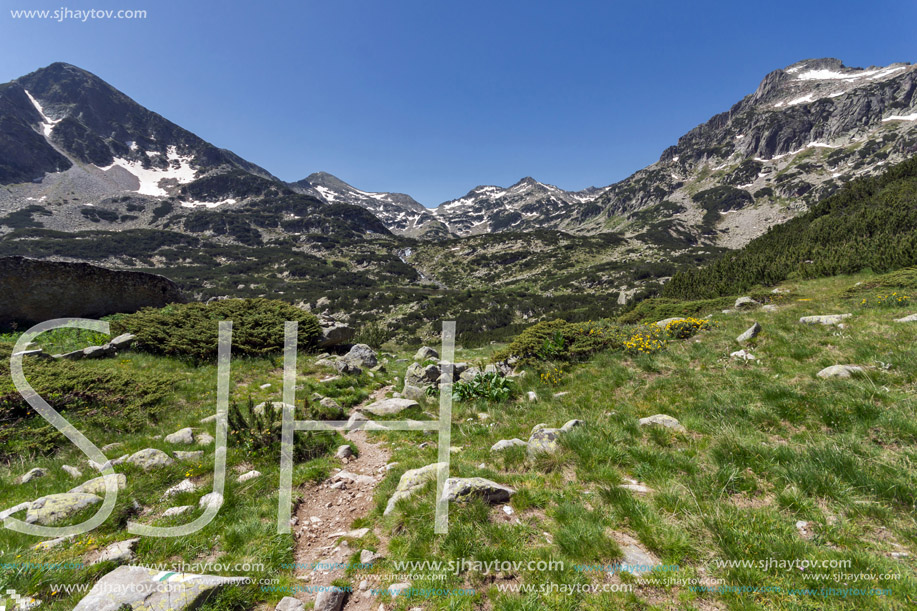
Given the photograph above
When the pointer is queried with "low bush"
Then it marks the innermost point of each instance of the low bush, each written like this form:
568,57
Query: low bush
191,330
489,386
259,432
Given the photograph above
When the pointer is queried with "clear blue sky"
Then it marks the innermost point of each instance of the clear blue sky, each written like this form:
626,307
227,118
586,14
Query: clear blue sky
433,98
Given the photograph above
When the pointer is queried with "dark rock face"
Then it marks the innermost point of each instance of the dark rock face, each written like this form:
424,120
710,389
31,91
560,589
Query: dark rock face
33,291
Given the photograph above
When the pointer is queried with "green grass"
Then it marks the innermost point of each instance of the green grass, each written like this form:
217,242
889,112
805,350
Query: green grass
767,444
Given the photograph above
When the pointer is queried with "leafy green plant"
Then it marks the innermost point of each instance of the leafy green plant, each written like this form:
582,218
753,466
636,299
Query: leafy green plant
489,386
373,334
259,431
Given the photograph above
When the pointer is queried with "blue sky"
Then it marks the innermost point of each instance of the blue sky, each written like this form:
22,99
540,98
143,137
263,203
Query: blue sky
433,98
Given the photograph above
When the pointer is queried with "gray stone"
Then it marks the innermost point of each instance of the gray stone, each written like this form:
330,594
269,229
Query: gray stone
544,441
335,334
637,560
571,424
211,498
347,368
344,452
827,319
387,407
420,376
426,353
184,436
72,471
743,355
122,342
176,511
32,474
329,403
367,556
189,456
911,318
749,334
769,308
204,439
358,533
35,352
56,508
186,485
410,482
532,396
362,356
150,458
248,475
97,485
98,352
329,600
507,443
662,420
840,371
15,509
461,489
413,393
665,322
112,446
470,374
276,408
745,303
288,603
119,552
139,588
356,420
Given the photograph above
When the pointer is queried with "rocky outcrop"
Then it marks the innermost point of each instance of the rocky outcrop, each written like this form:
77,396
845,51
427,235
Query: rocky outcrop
33,291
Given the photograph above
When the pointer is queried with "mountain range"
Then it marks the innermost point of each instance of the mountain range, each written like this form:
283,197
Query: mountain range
86,173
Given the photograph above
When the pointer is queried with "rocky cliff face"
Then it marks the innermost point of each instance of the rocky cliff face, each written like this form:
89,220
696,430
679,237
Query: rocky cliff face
34,291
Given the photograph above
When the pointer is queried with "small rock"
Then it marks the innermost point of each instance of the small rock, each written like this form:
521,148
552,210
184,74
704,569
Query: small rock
460,489
745,303
204,439
72,471
508,510
185,485
367,556
827,319
98,486
769,308
265,386
749,334
840,371
184,436
211,498
410,482
55,508
399,589
112,446
911,318
32,474
344,452
120,552
532,396
189,456
210,418
176,511
247,476
663,420
288,603
743,355
358,533
387,407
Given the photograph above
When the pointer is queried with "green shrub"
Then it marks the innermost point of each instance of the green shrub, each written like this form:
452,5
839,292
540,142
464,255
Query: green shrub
191,330
562,340
373,334
259,432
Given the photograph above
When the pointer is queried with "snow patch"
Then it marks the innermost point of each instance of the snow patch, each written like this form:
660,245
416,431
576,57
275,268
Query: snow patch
150,177
47,124
910,117
209,204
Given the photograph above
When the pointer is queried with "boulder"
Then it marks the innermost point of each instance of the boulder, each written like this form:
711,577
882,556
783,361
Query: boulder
347,368
461,489
32,474
138,587
276,408
840,371
826,319
507,443
420,376
387,407
186,485
15,509
571,424
119,552
745,303
544,441
288,603
97,485
665,322
413,393
211,498
72,471
122,342
150,458
344,452
356,420
56,508
411,482
204,439
361,356
183,436
335,334
911,318
749,334
98,352
426,353
663,420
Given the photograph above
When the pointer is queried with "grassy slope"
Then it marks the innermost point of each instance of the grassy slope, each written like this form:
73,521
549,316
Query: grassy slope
768,444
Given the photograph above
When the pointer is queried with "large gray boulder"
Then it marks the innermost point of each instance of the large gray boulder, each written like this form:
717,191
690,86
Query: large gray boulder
33,291
97,485
410,483
288,603
461,489
361,356
150,458
426,353
546,441
420,376
334,334
139,588
663,420
388,407
329,599
56,508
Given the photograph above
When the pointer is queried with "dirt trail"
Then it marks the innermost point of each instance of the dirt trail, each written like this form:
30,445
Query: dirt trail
329,508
